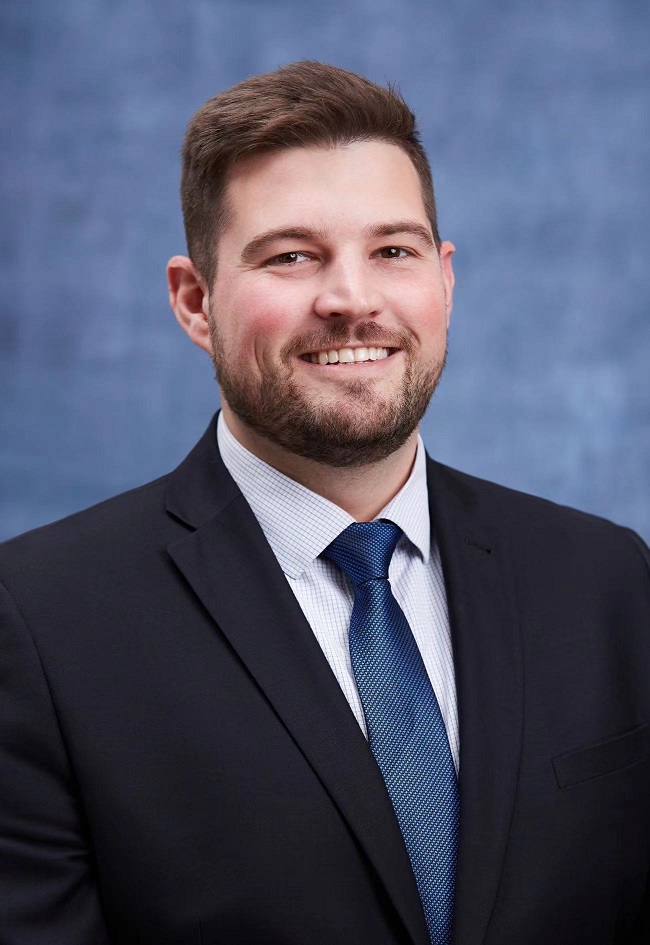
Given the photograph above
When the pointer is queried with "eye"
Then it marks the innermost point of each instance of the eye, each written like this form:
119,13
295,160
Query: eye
286,259
394,252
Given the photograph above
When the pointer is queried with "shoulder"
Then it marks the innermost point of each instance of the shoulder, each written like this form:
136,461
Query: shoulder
534,526
148,516
120,527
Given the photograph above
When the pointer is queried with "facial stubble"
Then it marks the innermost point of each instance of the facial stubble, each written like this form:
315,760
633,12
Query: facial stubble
359,429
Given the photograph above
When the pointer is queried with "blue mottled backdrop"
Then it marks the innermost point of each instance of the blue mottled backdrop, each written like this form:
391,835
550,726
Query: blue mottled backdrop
536,121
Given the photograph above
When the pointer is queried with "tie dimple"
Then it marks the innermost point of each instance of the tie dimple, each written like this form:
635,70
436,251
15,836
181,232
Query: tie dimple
406,730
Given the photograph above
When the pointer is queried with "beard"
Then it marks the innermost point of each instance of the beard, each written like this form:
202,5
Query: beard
359,428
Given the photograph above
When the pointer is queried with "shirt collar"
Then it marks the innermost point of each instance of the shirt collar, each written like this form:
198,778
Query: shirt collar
298,523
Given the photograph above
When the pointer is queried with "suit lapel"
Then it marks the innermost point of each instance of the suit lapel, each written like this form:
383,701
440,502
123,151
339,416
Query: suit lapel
227,561
233,571
487,660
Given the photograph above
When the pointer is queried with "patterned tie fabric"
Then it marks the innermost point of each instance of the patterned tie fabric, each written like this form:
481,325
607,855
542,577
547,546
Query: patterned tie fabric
406,731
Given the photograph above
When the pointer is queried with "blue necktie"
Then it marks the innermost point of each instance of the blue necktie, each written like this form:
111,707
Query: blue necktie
406,731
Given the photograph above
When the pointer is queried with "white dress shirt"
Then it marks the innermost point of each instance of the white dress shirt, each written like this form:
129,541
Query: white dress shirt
299,524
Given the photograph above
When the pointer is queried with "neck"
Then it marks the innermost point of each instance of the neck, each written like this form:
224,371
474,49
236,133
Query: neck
362,491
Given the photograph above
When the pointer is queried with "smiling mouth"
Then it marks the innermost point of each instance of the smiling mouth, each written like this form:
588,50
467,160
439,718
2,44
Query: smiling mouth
348,355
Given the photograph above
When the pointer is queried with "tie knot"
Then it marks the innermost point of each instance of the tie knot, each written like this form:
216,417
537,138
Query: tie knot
363,550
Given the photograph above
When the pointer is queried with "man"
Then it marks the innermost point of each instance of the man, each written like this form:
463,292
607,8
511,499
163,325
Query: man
312,686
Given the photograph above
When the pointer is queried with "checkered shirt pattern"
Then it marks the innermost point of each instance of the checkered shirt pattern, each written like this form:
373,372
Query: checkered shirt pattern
299,524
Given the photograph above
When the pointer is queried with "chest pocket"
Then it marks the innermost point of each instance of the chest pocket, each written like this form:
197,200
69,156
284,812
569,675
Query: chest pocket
605,757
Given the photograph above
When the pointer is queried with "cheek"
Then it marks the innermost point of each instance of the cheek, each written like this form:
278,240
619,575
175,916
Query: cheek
257,326
423,310
280,305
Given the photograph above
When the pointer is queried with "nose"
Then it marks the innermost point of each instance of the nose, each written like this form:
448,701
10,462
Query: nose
347,290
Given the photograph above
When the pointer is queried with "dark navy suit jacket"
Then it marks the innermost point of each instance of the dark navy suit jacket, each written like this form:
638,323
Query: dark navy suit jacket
178,765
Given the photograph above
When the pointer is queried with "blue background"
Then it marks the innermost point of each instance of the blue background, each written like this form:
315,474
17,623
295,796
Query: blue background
536,120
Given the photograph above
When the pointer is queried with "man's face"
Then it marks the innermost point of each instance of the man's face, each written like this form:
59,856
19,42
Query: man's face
330,305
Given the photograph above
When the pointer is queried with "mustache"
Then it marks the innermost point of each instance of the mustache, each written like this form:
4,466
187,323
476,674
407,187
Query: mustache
343,335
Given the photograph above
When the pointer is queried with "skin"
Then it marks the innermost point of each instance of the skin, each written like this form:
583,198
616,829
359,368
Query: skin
360,266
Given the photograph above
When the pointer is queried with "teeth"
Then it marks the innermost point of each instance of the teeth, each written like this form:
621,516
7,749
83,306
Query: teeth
347,355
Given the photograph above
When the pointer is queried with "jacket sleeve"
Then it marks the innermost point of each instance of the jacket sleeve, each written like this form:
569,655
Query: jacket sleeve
48,891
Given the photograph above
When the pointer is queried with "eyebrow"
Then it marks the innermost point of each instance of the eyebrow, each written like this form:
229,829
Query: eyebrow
259,243
401,226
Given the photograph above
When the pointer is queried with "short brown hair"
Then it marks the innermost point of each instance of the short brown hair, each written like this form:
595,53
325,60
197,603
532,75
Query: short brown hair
299,105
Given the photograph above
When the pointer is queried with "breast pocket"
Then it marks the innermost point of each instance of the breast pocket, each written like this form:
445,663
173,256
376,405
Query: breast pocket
604,757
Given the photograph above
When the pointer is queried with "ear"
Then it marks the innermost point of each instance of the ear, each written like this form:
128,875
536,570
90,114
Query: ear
190,300
447,250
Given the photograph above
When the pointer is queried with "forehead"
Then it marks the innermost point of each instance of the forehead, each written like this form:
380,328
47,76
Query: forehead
349,186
